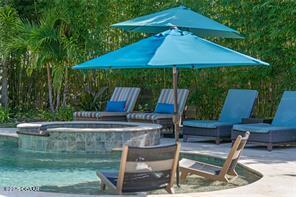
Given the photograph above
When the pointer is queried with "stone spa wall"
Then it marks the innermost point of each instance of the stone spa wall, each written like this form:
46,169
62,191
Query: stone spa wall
86,137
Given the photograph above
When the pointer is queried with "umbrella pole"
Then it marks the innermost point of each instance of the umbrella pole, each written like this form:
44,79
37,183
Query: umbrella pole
176,118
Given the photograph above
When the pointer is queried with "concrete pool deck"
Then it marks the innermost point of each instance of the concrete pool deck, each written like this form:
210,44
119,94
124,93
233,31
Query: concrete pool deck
278,168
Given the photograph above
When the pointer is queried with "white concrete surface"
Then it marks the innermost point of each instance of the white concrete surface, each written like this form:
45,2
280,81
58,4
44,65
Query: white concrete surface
11,132
278,168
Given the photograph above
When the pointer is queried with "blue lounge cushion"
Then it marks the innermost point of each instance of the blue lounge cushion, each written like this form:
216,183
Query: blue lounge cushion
258,128
164,108
238,104
286,113
285,117
115,106
211,124
111,176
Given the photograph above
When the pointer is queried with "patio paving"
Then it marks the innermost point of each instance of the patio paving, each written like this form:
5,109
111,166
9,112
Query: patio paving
11,132
278,168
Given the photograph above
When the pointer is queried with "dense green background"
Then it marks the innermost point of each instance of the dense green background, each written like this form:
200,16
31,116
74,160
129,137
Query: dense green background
40,34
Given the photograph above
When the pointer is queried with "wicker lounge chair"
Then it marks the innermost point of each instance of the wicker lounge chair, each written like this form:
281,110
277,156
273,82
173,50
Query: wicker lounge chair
282,130
165,119
143,169
127,94
214,172
238,105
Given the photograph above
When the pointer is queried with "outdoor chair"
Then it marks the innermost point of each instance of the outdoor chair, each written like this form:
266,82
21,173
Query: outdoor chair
238,105
213,172
123,100
143,169
281,131
164,110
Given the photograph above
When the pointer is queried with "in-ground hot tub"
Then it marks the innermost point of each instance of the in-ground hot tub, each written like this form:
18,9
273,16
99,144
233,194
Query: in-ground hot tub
85,136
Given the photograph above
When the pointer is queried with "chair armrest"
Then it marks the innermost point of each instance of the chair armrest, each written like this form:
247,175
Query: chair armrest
139,112
117,149
256,120
268,120
106,181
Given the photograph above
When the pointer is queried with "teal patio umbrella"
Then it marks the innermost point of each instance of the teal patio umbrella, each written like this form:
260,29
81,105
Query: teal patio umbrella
181,17
171,49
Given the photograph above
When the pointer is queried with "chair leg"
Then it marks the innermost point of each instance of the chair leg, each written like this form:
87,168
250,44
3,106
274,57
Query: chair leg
232,173
103,186
184,175
269,146
232,143
218,140
185,138
170,190
226,179
223,178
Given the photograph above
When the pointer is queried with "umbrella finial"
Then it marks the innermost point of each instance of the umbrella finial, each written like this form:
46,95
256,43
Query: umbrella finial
175,30
174,27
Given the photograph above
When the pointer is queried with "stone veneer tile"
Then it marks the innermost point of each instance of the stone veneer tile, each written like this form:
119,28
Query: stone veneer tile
50,145
62,146
89,137
90,145
71,146
126,136
39,144
89,142
100,137
33,142
100,146
108,146
80,137
110,136
71,137
80,146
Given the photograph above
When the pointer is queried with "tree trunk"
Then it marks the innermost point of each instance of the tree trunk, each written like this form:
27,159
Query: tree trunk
65,92
49,84
58,92
4,84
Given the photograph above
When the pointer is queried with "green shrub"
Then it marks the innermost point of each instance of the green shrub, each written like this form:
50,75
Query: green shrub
22,115
143,108
4,115
64,114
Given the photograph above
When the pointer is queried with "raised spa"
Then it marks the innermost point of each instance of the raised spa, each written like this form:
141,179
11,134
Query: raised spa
85,137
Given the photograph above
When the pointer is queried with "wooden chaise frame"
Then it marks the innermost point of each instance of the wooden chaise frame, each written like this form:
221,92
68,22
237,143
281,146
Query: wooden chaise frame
214,172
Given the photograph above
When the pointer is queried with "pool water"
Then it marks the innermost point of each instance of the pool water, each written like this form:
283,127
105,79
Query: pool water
75,173
53,172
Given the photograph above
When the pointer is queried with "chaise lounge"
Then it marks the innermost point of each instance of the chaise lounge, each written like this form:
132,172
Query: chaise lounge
164,110
282,130
214,172
143,169
121,103
238,105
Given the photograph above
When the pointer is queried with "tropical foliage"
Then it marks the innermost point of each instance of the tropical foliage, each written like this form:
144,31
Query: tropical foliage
40,40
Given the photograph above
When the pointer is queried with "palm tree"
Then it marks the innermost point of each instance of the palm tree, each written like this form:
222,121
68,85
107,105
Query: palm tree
47,51
9,27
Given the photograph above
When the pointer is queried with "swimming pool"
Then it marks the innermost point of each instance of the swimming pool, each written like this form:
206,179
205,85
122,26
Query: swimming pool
75,173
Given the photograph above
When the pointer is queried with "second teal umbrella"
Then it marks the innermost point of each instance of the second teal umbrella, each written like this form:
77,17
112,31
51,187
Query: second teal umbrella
183,18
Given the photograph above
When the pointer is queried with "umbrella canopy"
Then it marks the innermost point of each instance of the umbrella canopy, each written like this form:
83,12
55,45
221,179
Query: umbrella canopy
172,48
181,17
